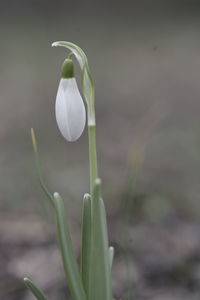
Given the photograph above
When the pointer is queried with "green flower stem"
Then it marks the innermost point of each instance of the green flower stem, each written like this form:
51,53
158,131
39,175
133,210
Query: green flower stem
92,156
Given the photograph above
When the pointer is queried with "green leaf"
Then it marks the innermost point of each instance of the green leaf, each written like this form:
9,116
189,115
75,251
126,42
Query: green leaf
38,168
34,289
111,255
100,273
69,262
87,81
86,241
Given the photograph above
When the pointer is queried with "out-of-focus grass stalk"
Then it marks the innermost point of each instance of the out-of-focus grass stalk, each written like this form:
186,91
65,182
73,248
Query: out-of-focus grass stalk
34,289
38,167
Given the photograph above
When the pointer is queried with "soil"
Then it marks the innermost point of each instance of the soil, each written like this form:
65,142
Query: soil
152,261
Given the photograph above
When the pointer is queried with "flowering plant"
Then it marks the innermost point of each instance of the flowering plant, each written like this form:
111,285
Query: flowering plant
92,280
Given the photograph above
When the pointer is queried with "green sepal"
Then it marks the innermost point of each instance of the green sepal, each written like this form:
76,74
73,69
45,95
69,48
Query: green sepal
34,289
86,242
68,258
100,273
67,70
87,81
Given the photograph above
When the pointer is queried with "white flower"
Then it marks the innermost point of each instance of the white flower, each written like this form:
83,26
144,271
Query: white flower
70,109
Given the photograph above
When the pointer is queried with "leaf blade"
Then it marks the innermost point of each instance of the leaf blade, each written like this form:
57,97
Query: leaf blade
100,273
68,258
86,242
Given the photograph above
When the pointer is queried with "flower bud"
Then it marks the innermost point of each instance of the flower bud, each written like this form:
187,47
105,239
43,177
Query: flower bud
69,107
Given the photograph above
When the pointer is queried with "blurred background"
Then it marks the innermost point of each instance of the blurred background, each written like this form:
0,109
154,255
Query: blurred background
145,60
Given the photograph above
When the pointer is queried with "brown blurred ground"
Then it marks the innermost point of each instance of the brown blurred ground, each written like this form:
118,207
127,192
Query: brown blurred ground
144,57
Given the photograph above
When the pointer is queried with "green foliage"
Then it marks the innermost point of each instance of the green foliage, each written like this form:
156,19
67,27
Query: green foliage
100,272
69,262
86,241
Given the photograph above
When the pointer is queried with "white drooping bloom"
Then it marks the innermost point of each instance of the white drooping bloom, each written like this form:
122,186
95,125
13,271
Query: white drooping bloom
70,109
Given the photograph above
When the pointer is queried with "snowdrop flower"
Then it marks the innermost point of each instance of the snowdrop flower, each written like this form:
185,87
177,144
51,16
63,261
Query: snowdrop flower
69,108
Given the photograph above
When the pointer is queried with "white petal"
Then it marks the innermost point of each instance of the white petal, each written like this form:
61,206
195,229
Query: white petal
70,109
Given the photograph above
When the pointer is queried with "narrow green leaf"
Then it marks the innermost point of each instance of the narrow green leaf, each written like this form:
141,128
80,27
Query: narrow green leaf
111,251
69,261
100,273
86,241
34,289
38,168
